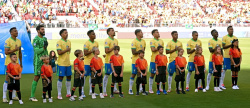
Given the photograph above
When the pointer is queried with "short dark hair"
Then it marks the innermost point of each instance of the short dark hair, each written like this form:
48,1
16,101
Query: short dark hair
137,31
38,27
140,51
213,31
12,54
117,48
90,31
12,29
194,32
229,27
159,47
153,31
108,30
77,52
173,32
61,31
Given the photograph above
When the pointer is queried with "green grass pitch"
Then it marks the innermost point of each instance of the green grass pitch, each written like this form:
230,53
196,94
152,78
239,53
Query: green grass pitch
227,98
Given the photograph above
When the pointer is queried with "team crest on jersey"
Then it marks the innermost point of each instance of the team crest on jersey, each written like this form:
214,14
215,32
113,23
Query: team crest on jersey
151,43
141,46
57,45
5,44
208,43
106,43
159,44
132,44
84,45
187,44
217,45
231,41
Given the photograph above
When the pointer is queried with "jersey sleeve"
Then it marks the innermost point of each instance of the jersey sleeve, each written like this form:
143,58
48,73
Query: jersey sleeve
176,61
224,39
168,46
144,44
166,59
101,62
210,44
185,61
8,69
92,63
58,46
213,58
195,59
19,69
122,59
231,51
111,59
240,53
37,50
7,44
133,45
181,45
76,63
200,44
152,43
137,63
189,45
146,63
42,70
156,59
86,46
106,44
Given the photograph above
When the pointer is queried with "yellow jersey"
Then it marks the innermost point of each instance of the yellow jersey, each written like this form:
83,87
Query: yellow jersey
155,43
89,46
191,44
212,43
227,40
171,46
11,44
110,43
64,59
137,45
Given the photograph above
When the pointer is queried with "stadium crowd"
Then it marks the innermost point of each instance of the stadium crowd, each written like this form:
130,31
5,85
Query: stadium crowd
127,12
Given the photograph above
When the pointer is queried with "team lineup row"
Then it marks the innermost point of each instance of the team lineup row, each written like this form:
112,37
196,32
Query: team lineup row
92,65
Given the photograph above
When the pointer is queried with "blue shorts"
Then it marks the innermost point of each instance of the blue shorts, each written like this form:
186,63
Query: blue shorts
211,68
87,70
191,67
108,69
152,68
171,68
134,69
227,64
5,69
64,70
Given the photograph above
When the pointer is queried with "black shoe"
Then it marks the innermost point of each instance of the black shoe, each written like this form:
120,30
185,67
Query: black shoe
145,93
137,93
183,92
111,96
178,92
121,95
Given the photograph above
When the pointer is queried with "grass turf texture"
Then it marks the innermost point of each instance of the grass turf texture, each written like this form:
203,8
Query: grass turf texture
227,98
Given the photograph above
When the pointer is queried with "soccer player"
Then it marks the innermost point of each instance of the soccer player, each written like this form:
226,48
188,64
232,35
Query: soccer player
217,60
117,65
79,75
226,43
161,61
180,63
47,76
171,48
154,43
200,69
96,66
191,48
63,47
212,43
14,72
88,46
40,45
236,58
141,65
137,44
109,44
12,45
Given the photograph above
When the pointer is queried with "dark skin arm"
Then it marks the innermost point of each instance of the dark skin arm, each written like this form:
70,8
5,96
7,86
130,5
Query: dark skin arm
226,46
189,51
153,49
87,52
60,52
171,51
108,50
8,51
134,52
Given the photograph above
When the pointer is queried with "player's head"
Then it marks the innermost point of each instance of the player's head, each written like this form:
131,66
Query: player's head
111,31
217,50
235,43
174,35
116,50
138,33
91,34
214,33
52,54
63,33
13,57
95,51
230,30
13,32
198,50
141,53
155,33
78,53
160,49
180,51
45,59
40,30
195,35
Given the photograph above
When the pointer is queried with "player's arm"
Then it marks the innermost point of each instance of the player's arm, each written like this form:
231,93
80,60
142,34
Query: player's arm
61,52
11,76
77,70
20,57
232,60
37,50
214,67
87,52
189,51
20,74
108,50
146,71
153,49
226,46
93,69
134,52
122,68
101,70
196,68
139,70
240,61
170,51
112,66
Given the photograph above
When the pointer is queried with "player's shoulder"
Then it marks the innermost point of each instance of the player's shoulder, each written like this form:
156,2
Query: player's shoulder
18,40
68,41
199,40
234,37
107,40
8,40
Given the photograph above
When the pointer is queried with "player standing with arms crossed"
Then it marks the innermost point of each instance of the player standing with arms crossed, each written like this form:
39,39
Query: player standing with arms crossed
171,48
137,44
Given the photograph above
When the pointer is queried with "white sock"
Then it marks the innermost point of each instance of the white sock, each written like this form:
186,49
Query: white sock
105,82
131,82
13,93
115,87
83,85
140,87
188,79
199,83
59,88
150,83
160,85
208,79
5,85
169,82
90,85
223,73
68,86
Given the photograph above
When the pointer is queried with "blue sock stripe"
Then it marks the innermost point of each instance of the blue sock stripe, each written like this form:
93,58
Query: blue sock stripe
151,77
132,78
68,79
60,80
6,81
